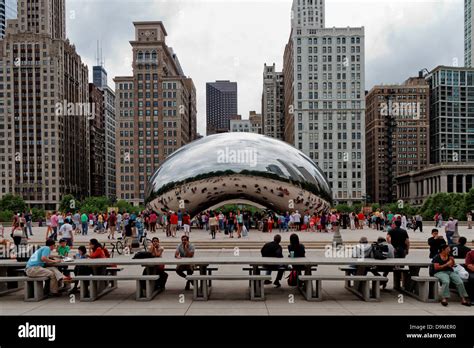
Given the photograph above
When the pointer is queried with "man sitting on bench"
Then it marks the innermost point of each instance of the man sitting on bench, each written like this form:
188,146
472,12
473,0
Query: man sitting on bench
274,249
185,250
41,264
470,268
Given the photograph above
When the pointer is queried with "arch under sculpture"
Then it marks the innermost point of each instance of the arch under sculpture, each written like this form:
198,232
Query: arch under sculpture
238,166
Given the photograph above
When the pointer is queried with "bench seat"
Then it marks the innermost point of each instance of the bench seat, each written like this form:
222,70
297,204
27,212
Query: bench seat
202,290
34,287
99,285
366,287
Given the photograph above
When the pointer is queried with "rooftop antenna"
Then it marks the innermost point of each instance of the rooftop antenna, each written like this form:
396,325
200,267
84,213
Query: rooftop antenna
98,53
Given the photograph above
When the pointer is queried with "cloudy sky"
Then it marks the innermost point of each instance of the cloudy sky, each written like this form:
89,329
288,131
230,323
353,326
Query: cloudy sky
232,39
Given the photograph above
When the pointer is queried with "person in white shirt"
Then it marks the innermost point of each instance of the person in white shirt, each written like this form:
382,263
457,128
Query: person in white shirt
66,232
297,220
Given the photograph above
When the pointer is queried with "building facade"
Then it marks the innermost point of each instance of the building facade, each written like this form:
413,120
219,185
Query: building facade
97,142
397,135
101,82
155,111
252,125
451,114
416,187
221,105
468,37
289,92
8,10
44,126
329,98
273,103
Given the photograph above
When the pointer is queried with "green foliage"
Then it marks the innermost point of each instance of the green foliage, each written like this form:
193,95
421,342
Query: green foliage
69,204
449,204
343,208
6,215
95,204
37,214
375,207
13,204
126,207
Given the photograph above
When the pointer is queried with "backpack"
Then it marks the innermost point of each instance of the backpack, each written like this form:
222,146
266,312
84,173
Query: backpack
293,278
143,255
380,251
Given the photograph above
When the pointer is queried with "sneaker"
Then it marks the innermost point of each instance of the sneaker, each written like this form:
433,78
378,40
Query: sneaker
267,282
277,284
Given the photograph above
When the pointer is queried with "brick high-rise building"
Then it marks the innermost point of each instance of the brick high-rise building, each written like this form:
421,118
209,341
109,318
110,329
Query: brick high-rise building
155,111
221,105
327,110
273,103
44,108
397,135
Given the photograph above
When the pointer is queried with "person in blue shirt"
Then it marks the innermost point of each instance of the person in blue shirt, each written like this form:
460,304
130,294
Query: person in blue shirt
41,264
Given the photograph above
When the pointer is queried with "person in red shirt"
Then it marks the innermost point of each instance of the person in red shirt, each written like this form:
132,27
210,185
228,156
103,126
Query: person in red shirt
469,265
152,220
173,224
112,222
186,224
95,250
361,218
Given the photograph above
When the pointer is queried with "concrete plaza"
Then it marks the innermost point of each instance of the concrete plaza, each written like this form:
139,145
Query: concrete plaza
231,298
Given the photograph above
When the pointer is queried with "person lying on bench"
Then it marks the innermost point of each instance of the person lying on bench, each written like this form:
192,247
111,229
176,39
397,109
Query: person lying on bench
41,264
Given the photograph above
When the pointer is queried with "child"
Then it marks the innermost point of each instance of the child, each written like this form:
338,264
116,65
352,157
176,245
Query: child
80,270
63,251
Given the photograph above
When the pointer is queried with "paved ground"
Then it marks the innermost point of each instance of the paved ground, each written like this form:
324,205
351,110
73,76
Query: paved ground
200,235
231,298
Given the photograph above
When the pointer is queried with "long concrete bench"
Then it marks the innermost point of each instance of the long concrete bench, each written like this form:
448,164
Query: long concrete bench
95,286
34,287
426,288
365,287
202,291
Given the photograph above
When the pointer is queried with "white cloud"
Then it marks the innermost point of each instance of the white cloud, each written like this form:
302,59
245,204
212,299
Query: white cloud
222,39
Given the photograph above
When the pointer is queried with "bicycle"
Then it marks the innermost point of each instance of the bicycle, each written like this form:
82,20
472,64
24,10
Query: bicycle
121,247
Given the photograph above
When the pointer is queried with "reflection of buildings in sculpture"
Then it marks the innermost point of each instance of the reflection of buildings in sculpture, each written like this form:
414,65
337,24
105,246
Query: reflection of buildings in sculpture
272,182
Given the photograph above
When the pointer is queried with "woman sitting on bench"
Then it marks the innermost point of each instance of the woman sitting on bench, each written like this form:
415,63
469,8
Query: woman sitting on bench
442,268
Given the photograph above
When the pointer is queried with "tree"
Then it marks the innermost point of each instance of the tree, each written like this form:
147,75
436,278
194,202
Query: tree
69,204
12,203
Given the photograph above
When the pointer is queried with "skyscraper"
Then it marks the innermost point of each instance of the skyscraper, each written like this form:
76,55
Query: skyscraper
468,34
97,142
108,100
328,106
8,10
397,135
155,111
451,114
44,126
273,103
221,105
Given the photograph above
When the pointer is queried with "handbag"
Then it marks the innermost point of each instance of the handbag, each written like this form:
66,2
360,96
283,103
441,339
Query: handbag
17,233
461,272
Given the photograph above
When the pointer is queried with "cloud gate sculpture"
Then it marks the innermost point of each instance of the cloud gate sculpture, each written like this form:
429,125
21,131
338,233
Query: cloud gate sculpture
236,167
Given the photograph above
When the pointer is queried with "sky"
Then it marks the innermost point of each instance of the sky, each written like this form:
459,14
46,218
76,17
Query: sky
233,39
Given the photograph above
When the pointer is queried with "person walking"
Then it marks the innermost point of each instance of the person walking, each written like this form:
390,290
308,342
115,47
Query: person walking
450,230
443,268
85,224
29,222
112,222
213,224
469,220
54,226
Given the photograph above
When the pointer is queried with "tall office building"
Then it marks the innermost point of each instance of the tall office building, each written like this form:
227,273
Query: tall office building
8,10
273,103
397,135
451,114
329,98
468,34
221,105
108,100
155,111
44,108
97,142
289,92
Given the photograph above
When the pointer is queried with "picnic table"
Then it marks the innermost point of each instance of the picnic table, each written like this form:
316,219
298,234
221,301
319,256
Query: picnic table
202,263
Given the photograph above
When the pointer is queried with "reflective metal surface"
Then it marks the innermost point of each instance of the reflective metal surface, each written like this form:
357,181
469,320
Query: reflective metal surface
238,166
